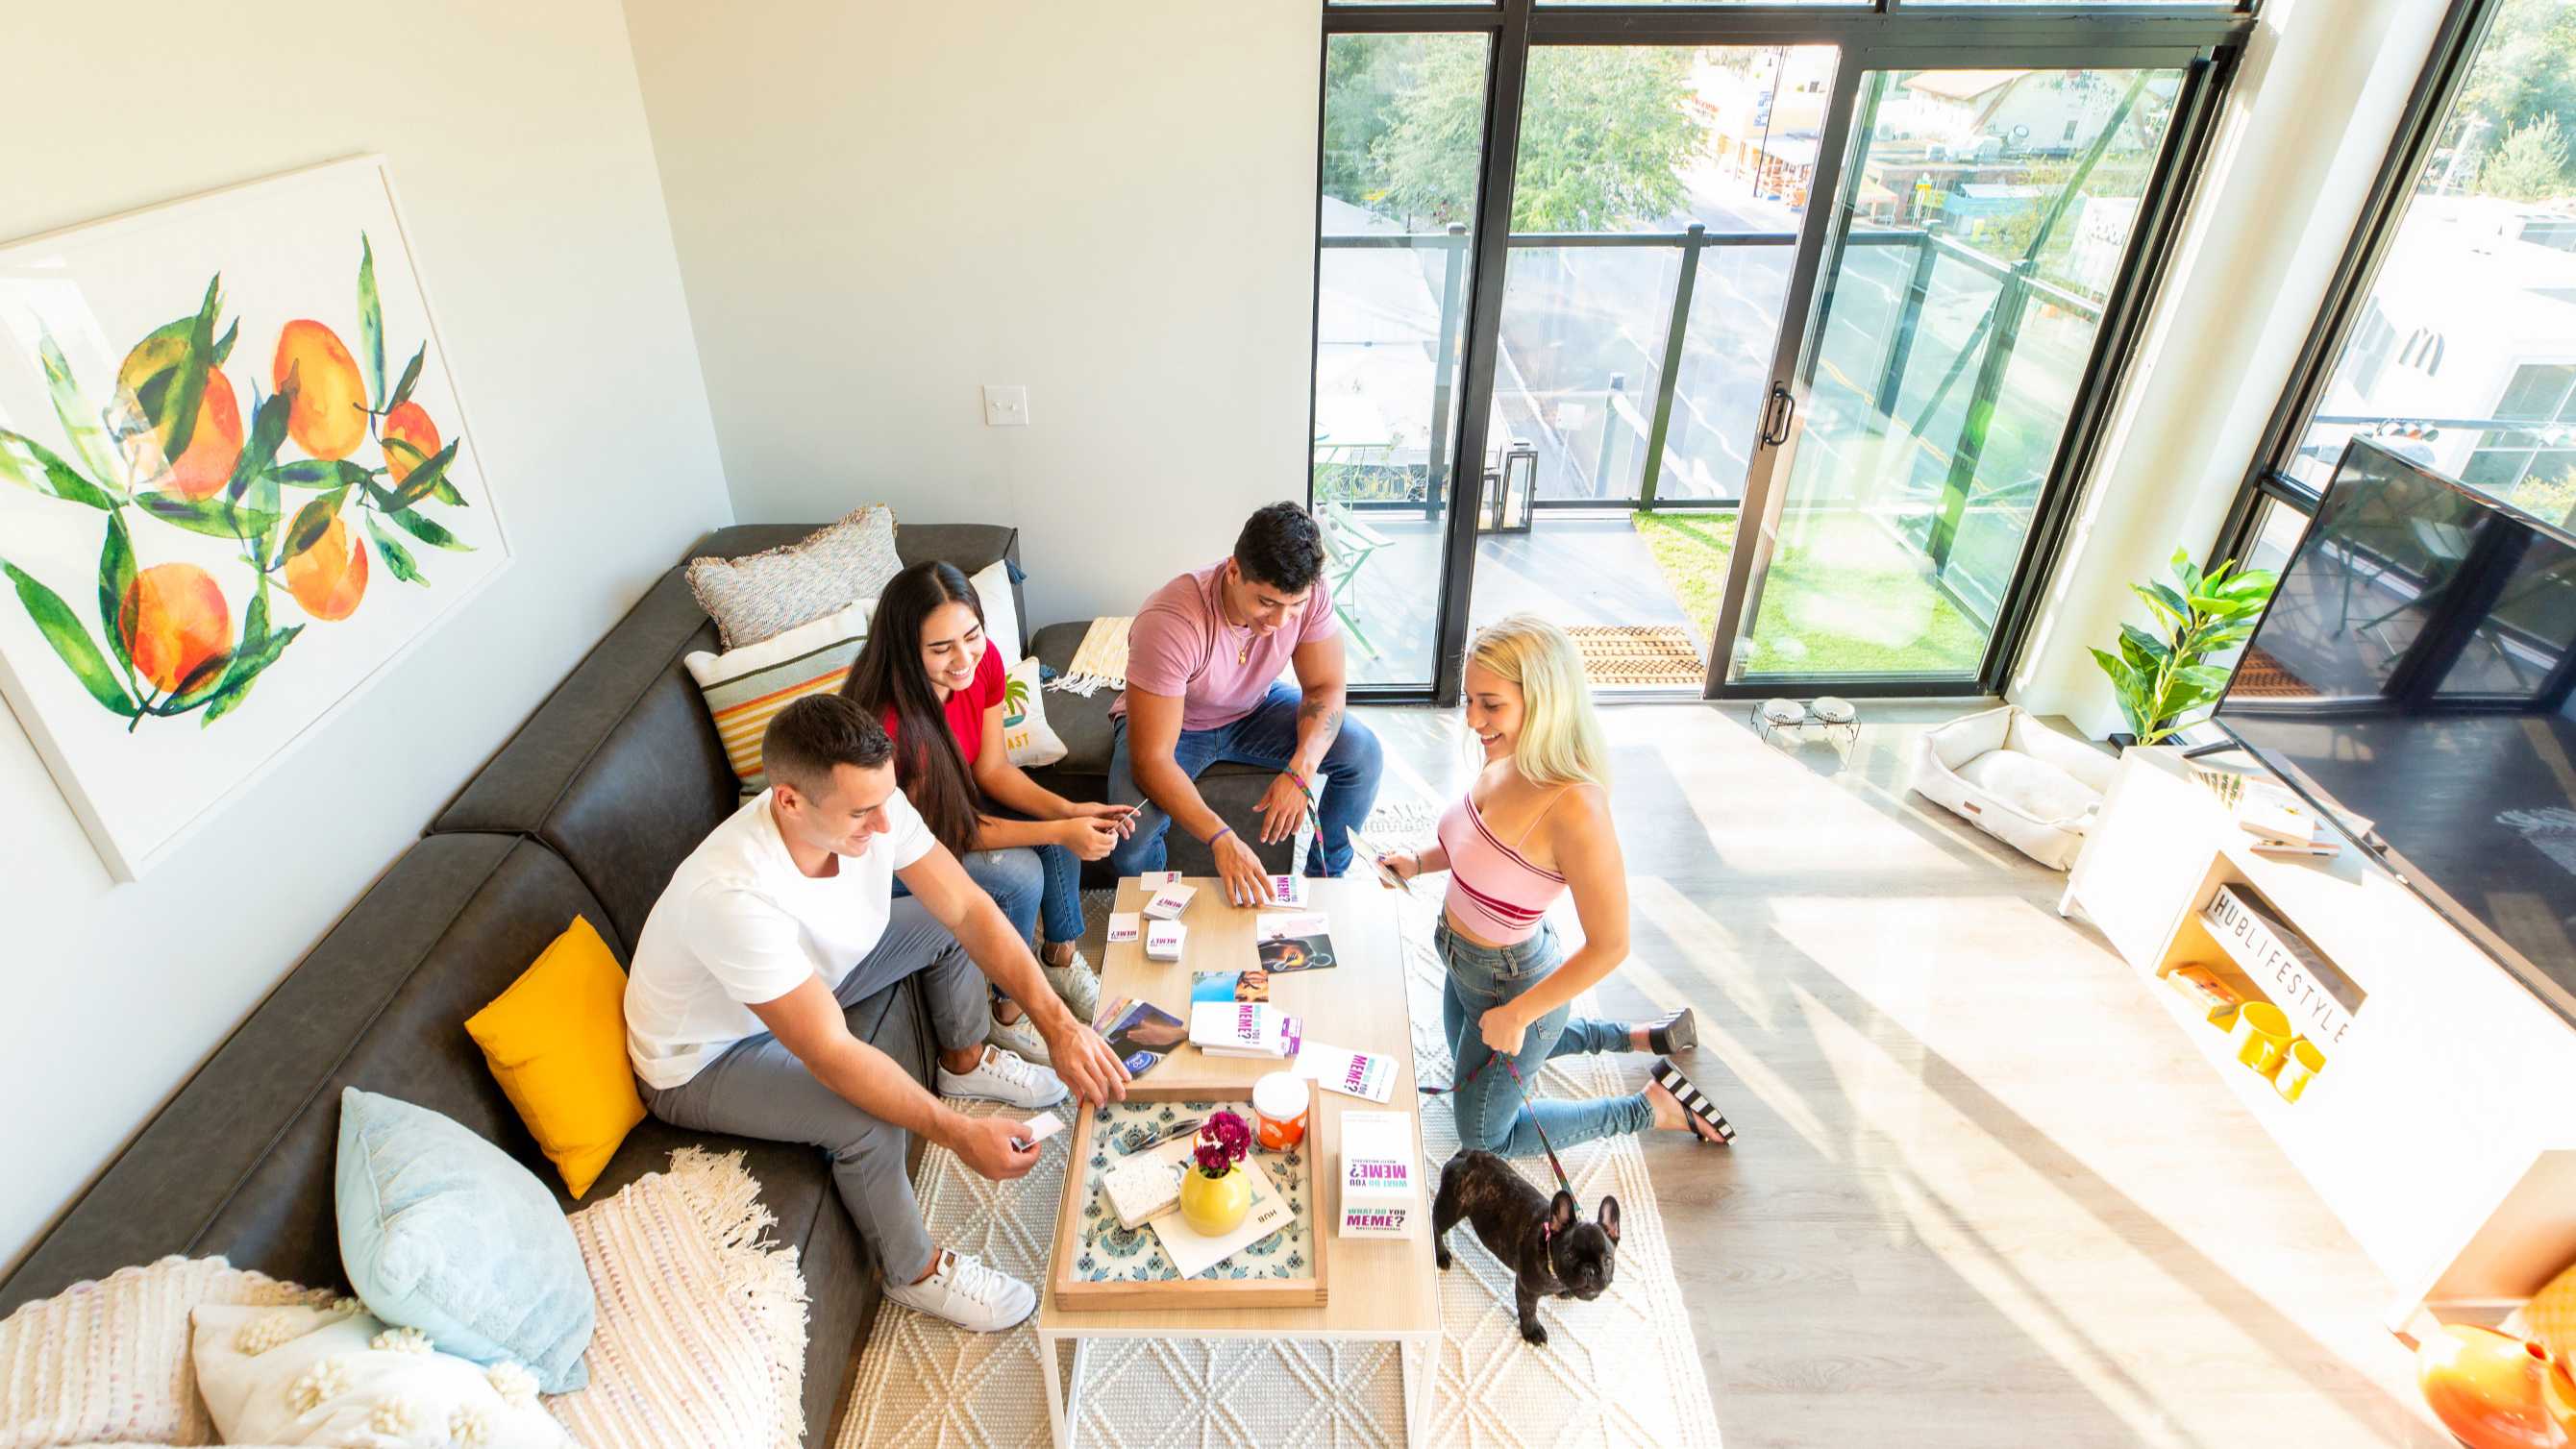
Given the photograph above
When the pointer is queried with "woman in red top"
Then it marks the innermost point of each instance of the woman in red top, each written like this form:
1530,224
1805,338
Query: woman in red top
928,672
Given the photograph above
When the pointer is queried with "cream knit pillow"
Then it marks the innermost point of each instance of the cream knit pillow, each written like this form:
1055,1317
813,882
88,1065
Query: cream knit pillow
301,1376
108,1360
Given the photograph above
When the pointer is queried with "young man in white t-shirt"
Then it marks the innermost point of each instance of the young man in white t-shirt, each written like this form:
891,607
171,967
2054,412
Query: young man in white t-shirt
778,925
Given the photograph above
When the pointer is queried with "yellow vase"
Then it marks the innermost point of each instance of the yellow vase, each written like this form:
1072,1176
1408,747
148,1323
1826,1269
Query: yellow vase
1214,1206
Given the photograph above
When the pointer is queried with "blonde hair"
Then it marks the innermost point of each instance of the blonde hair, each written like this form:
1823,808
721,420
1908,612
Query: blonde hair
1561,741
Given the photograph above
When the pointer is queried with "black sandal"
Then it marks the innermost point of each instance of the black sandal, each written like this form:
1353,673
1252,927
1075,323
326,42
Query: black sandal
1678,1032
1696,1103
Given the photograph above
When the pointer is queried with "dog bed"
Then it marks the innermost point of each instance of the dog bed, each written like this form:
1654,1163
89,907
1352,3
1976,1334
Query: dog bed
2016,779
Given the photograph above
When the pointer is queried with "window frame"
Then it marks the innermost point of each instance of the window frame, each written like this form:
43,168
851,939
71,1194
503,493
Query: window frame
2206,39
2349,293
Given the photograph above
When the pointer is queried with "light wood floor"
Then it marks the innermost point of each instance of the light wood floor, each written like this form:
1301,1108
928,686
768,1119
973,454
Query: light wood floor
1985,1196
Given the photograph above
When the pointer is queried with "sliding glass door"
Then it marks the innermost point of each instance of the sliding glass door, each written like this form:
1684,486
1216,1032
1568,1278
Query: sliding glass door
1975,238
1657,203
1761,345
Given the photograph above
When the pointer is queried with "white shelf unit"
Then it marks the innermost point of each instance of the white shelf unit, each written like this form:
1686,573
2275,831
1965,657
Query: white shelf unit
2442,1131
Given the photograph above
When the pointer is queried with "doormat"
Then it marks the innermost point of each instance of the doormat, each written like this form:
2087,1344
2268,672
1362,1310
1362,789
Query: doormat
1630,656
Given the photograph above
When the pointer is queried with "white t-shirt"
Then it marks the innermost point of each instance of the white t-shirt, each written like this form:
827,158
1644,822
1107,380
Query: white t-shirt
740,923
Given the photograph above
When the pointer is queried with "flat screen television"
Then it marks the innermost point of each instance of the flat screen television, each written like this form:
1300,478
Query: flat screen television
2412,677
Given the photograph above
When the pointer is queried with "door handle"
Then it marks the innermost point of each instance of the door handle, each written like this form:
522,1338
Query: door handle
1775,424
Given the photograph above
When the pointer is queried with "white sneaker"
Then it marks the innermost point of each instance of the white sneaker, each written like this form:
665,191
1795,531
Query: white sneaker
1078,984
968,1294
1021,1038
1004,1077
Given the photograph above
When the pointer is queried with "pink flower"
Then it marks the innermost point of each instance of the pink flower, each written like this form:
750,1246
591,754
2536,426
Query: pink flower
1223,1141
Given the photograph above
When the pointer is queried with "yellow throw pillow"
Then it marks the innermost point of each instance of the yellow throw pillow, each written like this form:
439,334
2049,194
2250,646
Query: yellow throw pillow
556,1042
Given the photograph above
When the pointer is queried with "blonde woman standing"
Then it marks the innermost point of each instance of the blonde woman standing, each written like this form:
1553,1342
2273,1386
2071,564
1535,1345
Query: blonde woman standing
1534,826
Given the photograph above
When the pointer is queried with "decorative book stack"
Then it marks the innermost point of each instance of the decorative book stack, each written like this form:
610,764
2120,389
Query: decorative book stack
1142,1189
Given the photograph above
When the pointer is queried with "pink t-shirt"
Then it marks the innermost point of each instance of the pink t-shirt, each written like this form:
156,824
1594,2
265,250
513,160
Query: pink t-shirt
1181,644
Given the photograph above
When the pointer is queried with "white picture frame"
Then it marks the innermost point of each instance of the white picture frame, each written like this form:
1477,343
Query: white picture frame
370,522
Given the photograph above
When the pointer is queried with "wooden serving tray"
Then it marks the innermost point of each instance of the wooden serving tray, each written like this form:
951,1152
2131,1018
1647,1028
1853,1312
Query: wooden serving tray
1099,1264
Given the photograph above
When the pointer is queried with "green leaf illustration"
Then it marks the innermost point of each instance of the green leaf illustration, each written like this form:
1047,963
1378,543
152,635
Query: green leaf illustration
213,517
259,649
410,379
421,481
317,473
79,420
51,474
179,409
224,346
115,581
264,501
397,559
428,531
371,322
62,629
312,521
267,433
413,457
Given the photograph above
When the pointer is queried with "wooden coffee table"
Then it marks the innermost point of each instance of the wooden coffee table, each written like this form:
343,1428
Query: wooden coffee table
1381,1288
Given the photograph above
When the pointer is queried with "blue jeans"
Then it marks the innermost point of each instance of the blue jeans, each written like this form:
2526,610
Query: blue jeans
1033,884
1265,737
1485,1098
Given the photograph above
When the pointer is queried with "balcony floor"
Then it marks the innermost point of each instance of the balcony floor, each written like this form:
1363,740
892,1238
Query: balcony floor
1846,596
1574,570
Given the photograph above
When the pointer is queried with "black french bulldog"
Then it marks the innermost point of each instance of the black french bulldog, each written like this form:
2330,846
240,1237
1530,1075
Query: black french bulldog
1549,1253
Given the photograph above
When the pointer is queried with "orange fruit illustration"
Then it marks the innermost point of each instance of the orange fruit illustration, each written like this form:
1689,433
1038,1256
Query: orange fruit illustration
329,578
172,620
214,443
410,425
328,418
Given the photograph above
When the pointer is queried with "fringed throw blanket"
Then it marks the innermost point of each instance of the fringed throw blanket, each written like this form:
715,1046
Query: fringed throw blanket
1101,661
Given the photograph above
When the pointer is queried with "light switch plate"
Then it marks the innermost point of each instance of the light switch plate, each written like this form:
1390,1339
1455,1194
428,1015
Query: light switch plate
1005,405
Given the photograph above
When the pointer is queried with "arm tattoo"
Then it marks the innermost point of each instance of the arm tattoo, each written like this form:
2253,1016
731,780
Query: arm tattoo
1329,717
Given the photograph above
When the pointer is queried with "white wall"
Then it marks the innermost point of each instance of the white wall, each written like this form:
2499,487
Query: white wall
2301,141
517,140
881,207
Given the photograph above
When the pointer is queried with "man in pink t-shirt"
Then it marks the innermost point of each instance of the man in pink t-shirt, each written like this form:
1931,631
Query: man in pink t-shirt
1204,661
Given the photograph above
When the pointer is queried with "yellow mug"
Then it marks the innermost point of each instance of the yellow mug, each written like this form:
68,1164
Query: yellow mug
2301,1064
2262,1034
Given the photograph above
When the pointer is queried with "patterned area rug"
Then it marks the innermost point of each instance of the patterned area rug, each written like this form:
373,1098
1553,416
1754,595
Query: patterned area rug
1628,656
1620,1370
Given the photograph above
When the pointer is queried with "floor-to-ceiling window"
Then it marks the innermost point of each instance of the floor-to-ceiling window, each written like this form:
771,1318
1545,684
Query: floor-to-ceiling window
1747,340
2450,334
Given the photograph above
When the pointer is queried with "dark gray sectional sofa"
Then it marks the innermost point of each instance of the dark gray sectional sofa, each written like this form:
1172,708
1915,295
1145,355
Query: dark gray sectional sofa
585,812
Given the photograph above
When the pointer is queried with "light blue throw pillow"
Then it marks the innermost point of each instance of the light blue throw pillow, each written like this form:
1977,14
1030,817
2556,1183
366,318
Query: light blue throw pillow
444,1232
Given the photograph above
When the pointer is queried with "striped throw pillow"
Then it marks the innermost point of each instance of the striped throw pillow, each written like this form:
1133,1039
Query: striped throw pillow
745,687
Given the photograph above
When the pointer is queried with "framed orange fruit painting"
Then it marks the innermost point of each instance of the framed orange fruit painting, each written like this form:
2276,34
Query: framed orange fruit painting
236,483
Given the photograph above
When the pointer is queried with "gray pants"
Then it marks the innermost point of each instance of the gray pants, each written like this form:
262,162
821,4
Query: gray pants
758,1088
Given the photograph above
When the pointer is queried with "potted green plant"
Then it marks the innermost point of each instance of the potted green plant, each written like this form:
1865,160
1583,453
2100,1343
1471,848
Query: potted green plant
2163,674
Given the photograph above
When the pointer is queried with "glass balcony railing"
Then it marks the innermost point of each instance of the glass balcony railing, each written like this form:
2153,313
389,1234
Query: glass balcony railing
1634,366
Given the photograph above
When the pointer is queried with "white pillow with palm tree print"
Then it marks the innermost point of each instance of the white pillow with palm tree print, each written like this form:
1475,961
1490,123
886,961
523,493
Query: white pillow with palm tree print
1024,726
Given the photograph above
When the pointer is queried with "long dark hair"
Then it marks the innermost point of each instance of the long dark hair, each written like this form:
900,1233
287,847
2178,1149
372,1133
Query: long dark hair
888,676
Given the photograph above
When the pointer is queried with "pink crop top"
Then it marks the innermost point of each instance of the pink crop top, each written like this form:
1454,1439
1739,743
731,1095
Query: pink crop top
1493,887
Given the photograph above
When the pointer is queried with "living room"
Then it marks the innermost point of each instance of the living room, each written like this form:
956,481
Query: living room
1841,414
